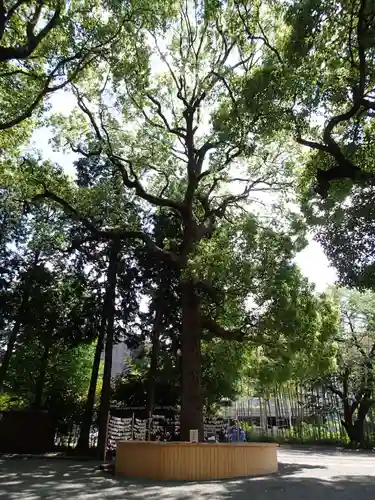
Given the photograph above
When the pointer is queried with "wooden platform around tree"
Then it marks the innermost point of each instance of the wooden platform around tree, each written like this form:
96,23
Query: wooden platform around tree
181,461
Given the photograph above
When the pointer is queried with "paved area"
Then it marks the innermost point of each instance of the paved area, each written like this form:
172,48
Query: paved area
304,475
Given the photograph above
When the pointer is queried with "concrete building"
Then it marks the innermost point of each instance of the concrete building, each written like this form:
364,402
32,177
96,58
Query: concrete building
120,354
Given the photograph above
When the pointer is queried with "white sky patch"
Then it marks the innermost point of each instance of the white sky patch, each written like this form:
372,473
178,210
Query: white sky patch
62,102
41,141
315,266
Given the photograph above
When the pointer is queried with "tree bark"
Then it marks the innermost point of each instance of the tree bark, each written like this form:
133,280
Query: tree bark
39,387
191,399
109,314
17,325
355,427
12,341
84,435
153,371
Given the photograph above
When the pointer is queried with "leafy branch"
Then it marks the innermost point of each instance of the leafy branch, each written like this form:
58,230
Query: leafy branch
345,168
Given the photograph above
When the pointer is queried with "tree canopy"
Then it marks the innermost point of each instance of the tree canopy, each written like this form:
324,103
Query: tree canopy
197,129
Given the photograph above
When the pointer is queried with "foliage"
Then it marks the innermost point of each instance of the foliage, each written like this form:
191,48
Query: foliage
334,112
46,46
353,379
67,377
340,83
344,228
187,169
56,317
321,73
340,363
222,366
312,356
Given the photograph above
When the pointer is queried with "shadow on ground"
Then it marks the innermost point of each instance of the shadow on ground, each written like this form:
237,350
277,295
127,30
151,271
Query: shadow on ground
303,488
34,479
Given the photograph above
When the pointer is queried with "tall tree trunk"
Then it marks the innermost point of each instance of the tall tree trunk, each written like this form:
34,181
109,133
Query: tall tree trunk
355,427
109,314
191,399
153,371
17,324
39,387
84,435
12,341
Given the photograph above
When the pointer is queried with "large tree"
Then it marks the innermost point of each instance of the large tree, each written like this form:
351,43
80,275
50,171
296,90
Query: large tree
178,155
352,379
320,69
27,246
319,72
338,88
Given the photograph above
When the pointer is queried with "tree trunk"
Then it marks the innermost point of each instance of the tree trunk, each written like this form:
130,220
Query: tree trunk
17,325
191,399
153,371
84,435
109,314
39,387
355,429
11,343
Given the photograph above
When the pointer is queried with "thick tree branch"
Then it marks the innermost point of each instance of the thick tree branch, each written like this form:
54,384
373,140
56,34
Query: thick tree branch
249,331
27,113
135,184
336,391
177,131
33,41
214,330
73,213
345,168
108,234
131,181
312,144
207,287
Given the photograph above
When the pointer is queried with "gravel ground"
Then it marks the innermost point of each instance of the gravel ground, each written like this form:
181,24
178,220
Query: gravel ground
304,474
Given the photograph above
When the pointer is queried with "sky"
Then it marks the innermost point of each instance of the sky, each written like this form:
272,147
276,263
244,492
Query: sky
315,266
312,260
